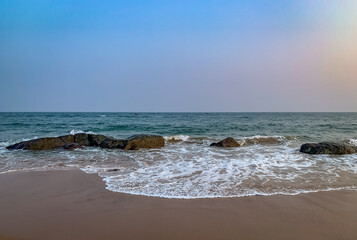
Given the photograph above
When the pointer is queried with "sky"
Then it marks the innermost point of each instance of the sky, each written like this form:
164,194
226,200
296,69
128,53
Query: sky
178,56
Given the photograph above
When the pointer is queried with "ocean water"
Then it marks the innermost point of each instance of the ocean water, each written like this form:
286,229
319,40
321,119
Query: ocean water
268,163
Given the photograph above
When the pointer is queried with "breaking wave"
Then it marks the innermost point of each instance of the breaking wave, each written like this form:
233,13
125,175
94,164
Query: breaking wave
177,138
75,131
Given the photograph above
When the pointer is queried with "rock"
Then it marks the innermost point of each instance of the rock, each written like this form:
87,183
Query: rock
39,144
328,148
263,140
113,170
95,140
71,146
112,143
134,142
144,141
71,142
82,139
227,142
67,138
15,146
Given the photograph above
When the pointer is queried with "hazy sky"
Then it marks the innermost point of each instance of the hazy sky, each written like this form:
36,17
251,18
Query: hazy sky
201,55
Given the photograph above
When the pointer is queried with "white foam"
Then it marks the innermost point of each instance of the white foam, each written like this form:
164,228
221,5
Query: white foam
277,137
260,136
9,171
4,144
92,170
35,169
75,131
196,170
177,138
27,139
353,141
247,194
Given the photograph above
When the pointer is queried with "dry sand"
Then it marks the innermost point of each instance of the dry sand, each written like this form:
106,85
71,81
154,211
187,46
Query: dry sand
74,205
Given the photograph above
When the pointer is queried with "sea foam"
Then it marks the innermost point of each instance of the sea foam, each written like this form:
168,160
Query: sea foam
75,131
177,138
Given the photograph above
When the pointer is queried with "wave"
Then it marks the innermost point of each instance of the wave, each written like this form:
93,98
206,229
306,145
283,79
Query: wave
265,140
176,138
113,188
75,131
5,144
244,141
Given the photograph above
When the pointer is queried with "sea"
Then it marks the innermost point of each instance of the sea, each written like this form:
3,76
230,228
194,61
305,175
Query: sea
267,163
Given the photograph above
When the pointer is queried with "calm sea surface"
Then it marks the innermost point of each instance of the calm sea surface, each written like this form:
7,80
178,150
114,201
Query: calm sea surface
268,162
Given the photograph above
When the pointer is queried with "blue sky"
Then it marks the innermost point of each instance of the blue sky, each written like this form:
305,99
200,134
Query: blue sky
177,56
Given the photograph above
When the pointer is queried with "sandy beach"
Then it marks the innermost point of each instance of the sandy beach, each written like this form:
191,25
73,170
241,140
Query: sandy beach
75,205
178,120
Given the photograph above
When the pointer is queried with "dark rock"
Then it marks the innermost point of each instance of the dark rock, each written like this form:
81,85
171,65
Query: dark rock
71,146
81,138
112,143
227,142
71,142
95,140
67,138
144,141
113,170
16,146
84,139
39,144
134,142
328,148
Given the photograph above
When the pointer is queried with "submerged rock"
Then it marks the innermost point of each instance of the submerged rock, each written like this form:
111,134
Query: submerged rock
227,142
113,170
144,141
328,148
262,140
71,146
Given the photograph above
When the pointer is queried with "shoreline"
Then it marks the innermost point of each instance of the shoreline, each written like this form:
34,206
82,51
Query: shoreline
71,204
338,189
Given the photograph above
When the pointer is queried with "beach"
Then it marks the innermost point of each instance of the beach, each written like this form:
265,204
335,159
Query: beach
70,204
178,120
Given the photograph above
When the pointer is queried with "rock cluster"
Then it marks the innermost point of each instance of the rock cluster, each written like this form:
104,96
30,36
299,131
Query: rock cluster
71,142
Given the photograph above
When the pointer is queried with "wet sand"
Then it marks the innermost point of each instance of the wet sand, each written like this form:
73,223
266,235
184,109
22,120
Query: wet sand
74,205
